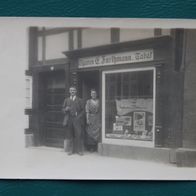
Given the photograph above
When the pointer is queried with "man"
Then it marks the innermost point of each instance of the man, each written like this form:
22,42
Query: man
73,109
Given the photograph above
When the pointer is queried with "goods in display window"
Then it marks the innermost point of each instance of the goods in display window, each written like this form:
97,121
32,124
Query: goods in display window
137,126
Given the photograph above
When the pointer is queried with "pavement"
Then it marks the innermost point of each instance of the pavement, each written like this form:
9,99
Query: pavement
54,163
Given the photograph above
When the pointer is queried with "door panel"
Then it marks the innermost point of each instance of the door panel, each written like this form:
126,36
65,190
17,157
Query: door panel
53,131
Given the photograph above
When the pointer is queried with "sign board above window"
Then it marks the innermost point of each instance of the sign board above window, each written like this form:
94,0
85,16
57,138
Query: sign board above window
118,58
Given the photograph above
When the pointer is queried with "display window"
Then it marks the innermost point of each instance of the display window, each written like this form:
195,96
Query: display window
128,106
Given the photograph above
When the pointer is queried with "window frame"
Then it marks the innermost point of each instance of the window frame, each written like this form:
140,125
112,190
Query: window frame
124,141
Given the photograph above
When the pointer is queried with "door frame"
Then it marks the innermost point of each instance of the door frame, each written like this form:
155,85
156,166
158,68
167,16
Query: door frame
43,82
81,82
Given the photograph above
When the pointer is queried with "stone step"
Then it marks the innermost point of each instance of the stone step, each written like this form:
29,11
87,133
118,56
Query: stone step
186,157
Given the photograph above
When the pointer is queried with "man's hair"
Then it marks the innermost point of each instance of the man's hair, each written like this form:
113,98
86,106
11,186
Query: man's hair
72,87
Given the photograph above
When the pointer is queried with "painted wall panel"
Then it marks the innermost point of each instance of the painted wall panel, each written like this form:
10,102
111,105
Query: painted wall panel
165,31
56,44
135,34
95,37
40,48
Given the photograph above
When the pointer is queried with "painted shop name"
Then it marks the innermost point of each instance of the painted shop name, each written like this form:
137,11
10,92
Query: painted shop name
115,59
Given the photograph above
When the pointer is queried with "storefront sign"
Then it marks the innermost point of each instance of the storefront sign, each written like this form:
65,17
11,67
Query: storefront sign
125,106
116,59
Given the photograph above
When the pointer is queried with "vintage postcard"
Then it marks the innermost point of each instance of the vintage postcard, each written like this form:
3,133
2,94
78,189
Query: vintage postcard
98,98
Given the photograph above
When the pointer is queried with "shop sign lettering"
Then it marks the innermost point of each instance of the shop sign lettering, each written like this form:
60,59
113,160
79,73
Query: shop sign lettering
116,59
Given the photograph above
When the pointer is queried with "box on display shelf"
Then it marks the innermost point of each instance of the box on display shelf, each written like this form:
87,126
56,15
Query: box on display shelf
136,126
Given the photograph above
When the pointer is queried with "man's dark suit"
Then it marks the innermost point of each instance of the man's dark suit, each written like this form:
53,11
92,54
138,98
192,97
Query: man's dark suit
75,123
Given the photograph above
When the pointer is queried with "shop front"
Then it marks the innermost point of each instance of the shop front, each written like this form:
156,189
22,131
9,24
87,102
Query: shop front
133,80
144,79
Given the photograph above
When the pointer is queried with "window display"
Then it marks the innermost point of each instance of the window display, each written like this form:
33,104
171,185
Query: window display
129,105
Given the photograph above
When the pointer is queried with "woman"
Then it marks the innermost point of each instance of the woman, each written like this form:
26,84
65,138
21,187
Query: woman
93,121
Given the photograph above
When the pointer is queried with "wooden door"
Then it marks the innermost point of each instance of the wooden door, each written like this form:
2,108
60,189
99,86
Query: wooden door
54,94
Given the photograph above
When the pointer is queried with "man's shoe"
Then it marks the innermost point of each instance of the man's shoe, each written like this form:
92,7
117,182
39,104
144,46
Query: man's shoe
70,153
80,153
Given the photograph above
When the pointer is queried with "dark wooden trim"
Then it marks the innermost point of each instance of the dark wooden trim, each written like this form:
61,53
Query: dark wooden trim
43,48
52,62
100,100
157,32
54,31
115,35
47,68
159,107
74,79
179,48
28,111
28,72
67,78
33,46
28,131
71,40
119,47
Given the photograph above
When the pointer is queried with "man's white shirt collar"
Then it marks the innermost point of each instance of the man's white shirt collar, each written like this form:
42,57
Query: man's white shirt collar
73,98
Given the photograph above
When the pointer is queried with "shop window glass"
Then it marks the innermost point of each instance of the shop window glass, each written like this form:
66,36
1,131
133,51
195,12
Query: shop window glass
129,105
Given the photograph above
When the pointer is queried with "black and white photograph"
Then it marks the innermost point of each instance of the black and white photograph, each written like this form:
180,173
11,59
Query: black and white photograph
98,98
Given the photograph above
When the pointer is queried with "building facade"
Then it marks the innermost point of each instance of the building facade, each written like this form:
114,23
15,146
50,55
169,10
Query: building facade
144,79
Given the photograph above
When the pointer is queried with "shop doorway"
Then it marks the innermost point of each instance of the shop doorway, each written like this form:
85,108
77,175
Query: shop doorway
88,80
51,96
